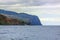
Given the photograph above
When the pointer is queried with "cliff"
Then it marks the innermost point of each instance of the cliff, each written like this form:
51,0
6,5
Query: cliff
4,20
27,18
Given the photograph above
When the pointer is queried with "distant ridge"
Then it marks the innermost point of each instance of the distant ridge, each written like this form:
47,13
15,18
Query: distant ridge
34,20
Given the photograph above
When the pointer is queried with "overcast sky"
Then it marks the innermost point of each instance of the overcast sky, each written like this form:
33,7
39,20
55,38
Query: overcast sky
29,2
48,11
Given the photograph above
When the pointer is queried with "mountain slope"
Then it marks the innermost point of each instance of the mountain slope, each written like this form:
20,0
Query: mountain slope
4,20
34,20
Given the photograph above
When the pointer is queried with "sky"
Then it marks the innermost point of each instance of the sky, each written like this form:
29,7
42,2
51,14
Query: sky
48,11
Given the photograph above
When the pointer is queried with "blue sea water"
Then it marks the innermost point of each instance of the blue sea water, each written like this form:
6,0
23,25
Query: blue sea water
29,32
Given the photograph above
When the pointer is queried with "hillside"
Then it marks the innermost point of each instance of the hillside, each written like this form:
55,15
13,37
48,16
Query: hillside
32,19
4,20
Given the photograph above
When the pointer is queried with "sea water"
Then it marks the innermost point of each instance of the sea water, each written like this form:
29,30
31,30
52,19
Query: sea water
29,32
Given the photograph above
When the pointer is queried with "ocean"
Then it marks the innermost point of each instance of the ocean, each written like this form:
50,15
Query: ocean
29,32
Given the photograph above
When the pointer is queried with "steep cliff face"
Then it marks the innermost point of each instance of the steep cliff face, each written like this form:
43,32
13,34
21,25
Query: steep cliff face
4,20
26,18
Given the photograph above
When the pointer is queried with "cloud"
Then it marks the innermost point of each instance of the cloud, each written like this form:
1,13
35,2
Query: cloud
8,1
30,2
50,21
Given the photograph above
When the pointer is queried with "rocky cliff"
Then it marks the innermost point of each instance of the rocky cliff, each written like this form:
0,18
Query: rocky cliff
4,20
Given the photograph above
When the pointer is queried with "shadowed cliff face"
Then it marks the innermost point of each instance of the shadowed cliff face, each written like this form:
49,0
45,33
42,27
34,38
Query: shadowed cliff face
27,19
10,21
